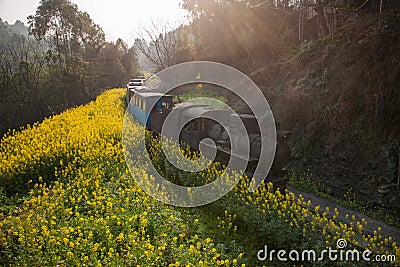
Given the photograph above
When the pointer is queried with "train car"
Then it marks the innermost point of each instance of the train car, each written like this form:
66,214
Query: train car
201,127
131,92
141,103
278,169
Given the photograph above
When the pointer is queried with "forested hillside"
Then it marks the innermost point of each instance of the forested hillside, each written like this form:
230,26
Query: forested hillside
60,60
341,99
330,70
8,31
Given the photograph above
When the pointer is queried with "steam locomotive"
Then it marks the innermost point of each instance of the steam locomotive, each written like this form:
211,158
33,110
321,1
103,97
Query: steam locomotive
151,108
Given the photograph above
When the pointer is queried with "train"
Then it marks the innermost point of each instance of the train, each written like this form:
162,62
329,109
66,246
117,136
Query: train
151,108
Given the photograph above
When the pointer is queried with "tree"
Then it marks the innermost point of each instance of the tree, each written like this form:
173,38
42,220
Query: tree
130,62
128,58
163,40
246,34
64,62
114,72
74,42
22,63
319,8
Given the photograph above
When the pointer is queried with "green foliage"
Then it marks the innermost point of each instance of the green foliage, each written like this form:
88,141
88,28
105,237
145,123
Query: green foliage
190,91
243,34
64,62
303,182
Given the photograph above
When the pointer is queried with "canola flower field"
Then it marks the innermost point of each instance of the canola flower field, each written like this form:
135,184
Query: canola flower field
68,199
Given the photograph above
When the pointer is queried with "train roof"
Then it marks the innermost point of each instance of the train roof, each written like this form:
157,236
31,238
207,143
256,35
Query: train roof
190,104
147,93
139,88
192,109
245,116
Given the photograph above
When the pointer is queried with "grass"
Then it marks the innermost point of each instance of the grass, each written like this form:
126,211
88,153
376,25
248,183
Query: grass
69,200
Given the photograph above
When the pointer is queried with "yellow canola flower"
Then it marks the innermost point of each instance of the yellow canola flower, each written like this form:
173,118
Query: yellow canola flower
84,205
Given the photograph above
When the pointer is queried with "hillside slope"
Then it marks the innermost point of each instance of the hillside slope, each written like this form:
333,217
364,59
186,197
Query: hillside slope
341,100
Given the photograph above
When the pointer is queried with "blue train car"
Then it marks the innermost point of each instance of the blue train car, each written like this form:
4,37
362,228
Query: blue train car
141,108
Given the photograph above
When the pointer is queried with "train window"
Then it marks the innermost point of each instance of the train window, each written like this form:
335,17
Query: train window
144,105
165,105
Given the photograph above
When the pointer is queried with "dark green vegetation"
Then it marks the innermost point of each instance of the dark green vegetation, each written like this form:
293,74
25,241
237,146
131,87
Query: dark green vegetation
341,99
63,62
330,70
333,81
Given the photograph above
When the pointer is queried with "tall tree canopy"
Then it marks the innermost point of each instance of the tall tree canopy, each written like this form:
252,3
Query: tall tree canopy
69,31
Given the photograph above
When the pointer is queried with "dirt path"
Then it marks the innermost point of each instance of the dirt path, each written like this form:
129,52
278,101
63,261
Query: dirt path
372,224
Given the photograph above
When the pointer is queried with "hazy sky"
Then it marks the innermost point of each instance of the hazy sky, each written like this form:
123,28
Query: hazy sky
118,18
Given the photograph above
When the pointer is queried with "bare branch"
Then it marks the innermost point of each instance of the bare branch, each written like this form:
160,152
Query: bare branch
158,42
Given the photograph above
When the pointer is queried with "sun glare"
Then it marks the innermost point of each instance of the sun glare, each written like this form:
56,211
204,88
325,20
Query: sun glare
118,18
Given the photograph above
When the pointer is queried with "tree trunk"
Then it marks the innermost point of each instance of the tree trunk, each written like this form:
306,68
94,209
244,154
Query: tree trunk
319,8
